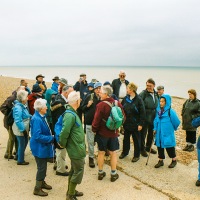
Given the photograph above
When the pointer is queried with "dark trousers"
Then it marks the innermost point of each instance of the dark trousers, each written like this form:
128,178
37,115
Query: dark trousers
147,131
77,170
191,137
170,151
41,168
136,141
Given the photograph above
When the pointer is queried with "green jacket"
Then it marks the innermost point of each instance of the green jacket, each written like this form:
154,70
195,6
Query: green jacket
72,135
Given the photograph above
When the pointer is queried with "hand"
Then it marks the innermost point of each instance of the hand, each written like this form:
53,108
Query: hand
139,128
90,103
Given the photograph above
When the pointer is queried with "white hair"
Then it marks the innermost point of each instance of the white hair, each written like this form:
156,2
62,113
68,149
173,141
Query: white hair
107,89
22,95
39,104
73,97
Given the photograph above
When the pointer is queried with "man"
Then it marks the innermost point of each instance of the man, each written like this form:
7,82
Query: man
25,84
106,139
39,80
81,86
37,93
160,90
119,85
58,107
150,99
88,107
72,137
5,108
55,84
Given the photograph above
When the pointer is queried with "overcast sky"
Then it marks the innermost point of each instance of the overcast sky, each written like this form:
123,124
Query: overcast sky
100,32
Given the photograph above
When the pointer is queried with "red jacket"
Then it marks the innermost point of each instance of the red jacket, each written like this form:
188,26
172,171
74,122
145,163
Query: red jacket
103,112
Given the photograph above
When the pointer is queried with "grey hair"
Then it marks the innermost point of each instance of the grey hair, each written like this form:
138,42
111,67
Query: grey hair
107,89
22,95
39,104
73,97
66,87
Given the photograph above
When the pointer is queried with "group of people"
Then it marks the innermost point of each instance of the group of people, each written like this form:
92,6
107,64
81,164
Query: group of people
84,108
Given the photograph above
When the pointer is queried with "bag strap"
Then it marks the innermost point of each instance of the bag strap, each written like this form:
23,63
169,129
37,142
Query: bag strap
69,111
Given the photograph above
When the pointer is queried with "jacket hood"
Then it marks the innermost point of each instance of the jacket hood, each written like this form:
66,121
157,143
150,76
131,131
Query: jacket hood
48,95
168,101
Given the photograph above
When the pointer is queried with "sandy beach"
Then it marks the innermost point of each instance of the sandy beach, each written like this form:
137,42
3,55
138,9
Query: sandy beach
137,181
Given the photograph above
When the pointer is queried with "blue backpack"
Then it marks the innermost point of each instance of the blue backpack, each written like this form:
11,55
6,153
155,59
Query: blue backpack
59,124
196,122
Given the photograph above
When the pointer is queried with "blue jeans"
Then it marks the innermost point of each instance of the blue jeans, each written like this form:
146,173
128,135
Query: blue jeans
22,143
198,154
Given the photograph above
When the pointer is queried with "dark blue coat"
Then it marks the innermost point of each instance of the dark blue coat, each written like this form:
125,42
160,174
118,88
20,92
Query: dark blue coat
41,137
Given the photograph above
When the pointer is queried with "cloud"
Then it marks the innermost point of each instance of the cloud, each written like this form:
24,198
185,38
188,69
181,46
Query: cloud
100,32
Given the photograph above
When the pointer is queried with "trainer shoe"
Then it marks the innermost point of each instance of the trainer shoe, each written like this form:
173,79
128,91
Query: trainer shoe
114,177
101,175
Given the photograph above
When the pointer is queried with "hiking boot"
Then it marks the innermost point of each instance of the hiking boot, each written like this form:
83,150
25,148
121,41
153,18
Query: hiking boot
45,186
78,194
101,175
114,177
122,156
38,189
173,164
191,148
91,162
62,174
71,197
186,148
144,153
198,183
159,164
23,163
135,159
152,151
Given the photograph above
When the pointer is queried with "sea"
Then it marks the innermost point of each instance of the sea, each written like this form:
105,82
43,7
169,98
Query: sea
176,80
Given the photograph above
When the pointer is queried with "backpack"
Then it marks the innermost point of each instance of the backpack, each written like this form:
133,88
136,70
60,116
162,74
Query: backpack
116,117
59,124
196,122
10,119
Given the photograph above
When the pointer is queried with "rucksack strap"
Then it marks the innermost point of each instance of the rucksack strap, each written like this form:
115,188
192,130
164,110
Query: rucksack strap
69,111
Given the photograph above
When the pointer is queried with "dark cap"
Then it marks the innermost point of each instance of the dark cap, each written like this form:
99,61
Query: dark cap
83,74
107,83
160,87
36,88
56,78
39,75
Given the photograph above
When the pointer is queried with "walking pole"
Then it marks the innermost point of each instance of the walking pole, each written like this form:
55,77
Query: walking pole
150,149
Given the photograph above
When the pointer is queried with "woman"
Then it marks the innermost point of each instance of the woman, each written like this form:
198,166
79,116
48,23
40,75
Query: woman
165,123
190,110
21,125
135,117
41,145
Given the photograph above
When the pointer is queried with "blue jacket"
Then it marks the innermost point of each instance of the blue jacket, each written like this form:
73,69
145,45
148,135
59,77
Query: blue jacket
41,137
165,123
55,87
20,113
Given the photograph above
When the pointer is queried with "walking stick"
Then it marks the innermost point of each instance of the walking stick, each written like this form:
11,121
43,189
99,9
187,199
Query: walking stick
150,149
